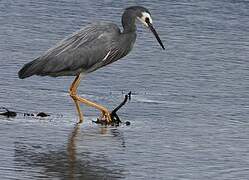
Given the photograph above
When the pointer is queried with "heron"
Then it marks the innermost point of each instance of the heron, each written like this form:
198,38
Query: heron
88,49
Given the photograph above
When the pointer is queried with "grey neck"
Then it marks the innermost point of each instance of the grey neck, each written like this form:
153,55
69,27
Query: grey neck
128,22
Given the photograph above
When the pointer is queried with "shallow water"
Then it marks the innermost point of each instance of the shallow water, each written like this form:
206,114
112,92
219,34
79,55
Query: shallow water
189,110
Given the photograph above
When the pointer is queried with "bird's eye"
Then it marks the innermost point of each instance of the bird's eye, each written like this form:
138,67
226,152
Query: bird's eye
147,20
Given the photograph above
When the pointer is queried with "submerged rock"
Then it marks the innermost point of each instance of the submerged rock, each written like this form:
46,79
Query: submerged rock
42,114
8,113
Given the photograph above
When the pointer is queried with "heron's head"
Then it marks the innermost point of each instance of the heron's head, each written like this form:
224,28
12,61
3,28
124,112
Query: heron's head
144,16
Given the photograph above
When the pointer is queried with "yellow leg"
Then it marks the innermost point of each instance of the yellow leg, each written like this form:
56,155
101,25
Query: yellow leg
73,92
77,99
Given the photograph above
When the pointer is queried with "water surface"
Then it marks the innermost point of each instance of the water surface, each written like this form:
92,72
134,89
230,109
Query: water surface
189,110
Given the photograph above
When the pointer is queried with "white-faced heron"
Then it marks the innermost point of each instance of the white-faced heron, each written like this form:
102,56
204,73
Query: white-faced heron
89,49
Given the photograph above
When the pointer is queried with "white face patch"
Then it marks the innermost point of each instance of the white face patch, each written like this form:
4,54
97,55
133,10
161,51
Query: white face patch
144,16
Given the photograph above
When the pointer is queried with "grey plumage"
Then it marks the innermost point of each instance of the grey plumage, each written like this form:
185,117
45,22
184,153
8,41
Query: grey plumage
88,49
82,52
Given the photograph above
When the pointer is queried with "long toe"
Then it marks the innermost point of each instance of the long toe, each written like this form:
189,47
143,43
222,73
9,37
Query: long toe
105,118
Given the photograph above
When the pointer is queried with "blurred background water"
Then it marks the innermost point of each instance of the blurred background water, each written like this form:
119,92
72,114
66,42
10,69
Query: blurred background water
189,110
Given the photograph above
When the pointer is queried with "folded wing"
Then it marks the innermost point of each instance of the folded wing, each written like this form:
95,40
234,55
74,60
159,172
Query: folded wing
84,51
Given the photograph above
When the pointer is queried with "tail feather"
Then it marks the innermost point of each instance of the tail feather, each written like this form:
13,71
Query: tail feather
27,70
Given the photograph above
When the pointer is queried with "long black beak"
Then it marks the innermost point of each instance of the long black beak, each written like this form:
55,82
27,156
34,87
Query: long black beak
155,33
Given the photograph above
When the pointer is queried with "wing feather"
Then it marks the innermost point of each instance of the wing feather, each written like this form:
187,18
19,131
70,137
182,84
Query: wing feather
81,52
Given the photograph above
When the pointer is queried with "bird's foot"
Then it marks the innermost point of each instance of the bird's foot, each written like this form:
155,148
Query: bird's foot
105,118
112,118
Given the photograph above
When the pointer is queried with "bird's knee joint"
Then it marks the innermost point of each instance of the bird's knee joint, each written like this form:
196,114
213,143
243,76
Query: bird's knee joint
72,94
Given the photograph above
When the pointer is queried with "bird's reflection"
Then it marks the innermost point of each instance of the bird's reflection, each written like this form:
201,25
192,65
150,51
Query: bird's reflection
71,150
65,162
119,135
